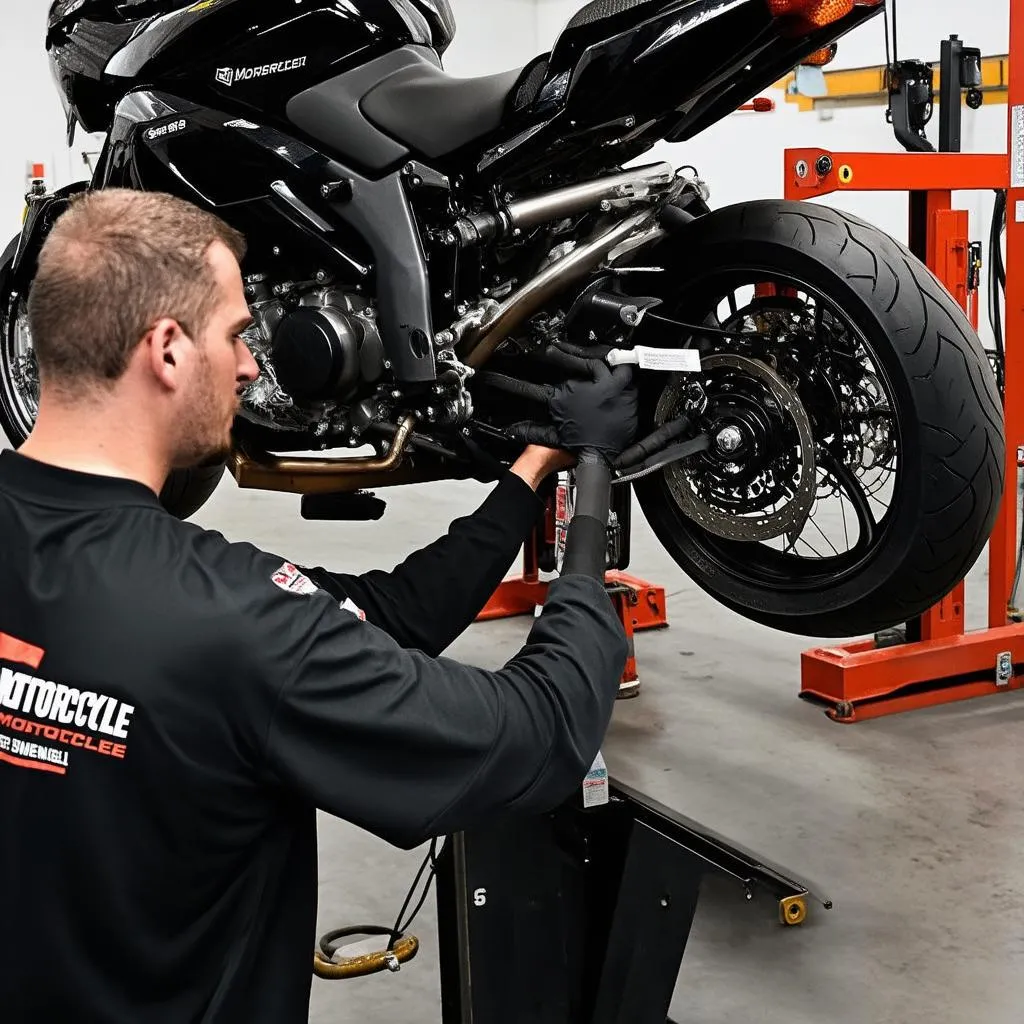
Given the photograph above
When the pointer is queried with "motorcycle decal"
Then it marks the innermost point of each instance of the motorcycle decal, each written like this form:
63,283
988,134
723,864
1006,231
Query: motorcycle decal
20,652
230,76
44,710
172,128
291,581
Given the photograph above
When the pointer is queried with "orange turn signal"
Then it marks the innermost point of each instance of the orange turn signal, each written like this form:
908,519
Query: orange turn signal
820,58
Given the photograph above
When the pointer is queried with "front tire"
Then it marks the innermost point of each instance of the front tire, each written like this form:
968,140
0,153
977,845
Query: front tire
943,402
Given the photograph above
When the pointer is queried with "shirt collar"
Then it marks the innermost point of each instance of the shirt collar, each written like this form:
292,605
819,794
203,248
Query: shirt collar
52,485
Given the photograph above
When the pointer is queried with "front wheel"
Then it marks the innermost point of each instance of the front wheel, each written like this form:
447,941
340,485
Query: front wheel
857,445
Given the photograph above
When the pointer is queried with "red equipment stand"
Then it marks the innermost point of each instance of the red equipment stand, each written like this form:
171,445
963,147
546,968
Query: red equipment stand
640,605
941,662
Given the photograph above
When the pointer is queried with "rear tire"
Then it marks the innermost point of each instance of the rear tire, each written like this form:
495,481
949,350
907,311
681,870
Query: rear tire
945,399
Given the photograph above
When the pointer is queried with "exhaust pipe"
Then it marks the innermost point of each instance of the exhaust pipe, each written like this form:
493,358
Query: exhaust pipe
479,342
629,187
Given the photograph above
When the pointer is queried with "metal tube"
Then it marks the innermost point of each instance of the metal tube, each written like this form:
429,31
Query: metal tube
565,202
262,471
479,343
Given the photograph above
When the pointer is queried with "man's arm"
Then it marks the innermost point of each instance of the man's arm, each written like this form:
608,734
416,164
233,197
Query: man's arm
437,593
410,747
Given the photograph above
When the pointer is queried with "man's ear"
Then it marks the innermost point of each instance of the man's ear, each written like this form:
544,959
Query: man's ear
167,349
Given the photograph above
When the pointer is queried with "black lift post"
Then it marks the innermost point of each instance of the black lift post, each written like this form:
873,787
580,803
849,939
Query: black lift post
582,916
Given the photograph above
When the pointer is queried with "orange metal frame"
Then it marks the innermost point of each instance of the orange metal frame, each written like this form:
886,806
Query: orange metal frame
942,662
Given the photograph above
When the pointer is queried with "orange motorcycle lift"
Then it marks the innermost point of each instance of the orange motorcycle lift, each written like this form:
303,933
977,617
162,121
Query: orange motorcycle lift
936,660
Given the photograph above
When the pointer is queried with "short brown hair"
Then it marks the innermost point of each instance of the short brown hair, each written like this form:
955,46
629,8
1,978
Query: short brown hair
115,263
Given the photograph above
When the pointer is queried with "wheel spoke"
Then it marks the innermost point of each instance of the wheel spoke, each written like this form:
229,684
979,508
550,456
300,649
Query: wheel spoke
851,486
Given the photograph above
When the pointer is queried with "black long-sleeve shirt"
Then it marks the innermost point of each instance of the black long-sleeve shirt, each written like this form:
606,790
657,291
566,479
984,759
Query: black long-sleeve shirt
174,707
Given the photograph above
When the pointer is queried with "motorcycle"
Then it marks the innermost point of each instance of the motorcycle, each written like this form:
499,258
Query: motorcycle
822,443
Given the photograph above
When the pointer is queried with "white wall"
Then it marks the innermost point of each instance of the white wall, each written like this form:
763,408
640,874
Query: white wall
493,36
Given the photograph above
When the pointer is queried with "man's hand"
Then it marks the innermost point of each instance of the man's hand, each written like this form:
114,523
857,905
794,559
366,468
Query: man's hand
594,420
537,463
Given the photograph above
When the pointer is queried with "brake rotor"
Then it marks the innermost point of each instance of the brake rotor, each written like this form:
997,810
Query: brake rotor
752,471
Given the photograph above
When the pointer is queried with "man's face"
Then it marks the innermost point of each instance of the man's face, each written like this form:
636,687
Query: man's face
222,368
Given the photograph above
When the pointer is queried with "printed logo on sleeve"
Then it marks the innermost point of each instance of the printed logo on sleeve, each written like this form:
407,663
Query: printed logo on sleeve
290,580
348,605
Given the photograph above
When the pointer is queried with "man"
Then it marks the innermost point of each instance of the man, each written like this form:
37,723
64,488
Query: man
173,708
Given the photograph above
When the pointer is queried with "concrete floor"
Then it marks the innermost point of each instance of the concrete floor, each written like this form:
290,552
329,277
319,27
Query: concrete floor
912,825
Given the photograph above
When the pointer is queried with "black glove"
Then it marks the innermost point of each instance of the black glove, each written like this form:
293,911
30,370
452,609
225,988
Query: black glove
594,419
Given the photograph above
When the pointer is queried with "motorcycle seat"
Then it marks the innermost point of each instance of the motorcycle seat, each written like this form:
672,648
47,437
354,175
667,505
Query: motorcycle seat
599,10
434,114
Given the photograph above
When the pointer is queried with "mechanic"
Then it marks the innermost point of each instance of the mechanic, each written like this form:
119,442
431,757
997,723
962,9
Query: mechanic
174,708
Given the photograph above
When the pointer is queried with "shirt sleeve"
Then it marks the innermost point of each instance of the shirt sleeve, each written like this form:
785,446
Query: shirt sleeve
410,747
436,593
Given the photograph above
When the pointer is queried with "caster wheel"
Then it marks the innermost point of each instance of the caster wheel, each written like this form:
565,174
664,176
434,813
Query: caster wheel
793,910
629,691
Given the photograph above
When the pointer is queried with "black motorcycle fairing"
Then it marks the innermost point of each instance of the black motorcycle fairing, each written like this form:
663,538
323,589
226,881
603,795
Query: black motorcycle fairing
251,54
434,113
162,142
333,112
626,74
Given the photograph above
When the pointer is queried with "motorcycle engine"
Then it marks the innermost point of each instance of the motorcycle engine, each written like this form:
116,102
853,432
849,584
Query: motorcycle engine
317,350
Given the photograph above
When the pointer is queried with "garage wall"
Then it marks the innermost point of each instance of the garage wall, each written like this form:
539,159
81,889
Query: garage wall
493,36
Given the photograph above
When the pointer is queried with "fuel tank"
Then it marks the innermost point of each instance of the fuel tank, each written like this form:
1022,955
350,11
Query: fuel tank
234,54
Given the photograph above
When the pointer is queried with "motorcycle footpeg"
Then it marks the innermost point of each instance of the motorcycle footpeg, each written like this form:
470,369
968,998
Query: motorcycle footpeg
359,507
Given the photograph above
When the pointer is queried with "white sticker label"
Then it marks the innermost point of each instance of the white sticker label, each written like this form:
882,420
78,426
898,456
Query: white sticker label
595,785
1017,149
671,360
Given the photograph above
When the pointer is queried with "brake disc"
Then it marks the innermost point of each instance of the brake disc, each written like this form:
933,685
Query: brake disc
800,492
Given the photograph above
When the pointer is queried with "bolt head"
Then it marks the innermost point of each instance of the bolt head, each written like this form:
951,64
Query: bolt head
729,440
801,168
824,165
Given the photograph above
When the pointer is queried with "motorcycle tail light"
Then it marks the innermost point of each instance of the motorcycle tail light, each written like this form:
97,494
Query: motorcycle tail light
820,58
815,14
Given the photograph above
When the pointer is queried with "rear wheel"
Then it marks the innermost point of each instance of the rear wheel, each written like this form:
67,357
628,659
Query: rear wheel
857,454
186,490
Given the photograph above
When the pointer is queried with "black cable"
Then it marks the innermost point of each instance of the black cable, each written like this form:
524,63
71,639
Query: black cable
888,61
715,332
895,36
997,286
399,928
888,55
